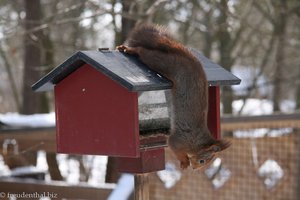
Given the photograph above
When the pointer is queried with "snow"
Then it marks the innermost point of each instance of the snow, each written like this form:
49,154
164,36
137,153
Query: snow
170,176
4,170
98,169
35,120
261,107
125,187
262,132
271,173
25,170
252,107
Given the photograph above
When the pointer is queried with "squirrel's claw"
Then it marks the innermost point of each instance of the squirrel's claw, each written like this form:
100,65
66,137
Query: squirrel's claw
128,50
121,48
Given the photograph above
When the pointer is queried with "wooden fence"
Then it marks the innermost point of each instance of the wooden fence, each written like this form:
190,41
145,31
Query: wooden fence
55,189
34,139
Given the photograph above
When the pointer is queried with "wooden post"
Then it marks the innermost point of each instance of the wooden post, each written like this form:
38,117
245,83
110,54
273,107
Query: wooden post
141,187
213,117
297,193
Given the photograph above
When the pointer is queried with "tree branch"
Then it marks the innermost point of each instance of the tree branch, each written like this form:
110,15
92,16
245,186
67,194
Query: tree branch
10,78
152,10
263,12
262,65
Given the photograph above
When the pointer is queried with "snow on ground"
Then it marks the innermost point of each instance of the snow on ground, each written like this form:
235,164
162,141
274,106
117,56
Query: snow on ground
260,107
254,107
36,120
251,107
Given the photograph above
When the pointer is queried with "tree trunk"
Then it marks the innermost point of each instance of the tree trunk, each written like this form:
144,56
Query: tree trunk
32,102
226,60
298,94
112,173
38,52
48,62
127,24
297,185
280,32
53,166
208,35
11,78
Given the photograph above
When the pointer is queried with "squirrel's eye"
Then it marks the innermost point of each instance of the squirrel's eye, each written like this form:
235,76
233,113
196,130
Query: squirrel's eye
201,161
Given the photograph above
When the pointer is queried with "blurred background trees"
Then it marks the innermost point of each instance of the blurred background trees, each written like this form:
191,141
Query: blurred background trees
259,40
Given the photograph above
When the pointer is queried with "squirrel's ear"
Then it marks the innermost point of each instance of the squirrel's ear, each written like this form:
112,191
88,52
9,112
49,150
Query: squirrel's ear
220,145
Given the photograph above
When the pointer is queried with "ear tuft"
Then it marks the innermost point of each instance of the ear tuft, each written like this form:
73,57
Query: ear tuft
220,145
223,144
216,148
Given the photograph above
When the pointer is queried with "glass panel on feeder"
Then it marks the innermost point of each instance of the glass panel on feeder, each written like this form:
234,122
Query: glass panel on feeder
154,111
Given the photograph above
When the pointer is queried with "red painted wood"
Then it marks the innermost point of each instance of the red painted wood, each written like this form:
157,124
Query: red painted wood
150,161
95,115
213,117
154,139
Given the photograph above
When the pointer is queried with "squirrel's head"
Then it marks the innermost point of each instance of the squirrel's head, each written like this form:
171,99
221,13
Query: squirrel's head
206,155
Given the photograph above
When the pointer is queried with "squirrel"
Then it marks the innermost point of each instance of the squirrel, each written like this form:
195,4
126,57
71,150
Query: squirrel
190,138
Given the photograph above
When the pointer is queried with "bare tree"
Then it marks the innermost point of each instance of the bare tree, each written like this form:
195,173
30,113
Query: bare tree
126,22
229,40
278,19
280,30
297,95
225,50
11,78
32,102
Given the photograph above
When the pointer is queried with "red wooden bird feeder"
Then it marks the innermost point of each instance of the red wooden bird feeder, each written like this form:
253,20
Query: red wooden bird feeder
97,106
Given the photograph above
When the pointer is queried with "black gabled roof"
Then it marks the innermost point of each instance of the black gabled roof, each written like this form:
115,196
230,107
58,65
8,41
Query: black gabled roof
128,71
215,74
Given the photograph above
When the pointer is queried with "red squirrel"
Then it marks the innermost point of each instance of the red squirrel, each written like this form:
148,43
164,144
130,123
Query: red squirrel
190,139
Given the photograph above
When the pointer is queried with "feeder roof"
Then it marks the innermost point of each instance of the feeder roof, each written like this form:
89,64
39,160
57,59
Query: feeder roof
128,71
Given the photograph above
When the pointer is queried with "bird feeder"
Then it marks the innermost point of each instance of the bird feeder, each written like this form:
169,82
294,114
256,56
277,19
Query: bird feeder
98,105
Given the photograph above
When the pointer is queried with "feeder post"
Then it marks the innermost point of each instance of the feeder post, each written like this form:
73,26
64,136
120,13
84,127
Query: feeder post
141,186
297,193
213,117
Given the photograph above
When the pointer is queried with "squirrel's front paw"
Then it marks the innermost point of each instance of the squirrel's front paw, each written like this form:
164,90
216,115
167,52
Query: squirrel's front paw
128,50
184,165
121,48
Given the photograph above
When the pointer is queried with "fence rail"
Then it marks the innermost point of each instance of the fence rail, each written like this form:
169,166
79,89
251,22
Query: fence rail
44,138
55,189
231,123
